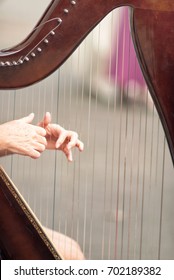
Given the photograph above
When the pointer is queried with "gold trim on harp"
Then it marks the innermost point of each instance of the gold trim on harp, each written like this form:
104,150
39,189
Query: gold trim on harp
29,213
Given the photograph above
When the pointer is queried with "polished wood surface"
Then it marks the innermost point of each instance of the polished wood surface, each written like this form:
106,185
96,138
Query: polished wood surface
153,33
22,236
37,58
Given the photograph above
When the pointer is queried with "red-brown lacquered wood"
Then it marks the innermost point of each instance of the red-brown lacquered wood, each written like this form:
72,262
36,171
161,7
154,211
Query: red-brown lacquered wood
21,236
76,24
153,32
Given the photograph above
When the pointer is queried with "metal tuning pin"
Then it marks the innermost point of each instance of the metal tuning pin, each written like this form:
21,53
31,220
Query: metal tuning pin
46,41
66,11
59,20
26,58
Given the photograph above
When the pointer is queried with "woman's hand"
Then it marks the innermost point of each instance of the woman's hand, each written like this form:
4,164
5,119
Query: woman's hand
59,138
21,137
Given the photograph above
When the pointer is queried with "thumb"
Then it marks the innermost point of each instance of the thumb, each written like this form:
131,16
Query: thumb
29,118
46,120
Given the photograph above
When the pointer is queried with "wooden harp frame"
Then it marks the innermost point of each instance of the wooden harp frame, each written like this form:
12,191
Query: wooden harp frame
29,232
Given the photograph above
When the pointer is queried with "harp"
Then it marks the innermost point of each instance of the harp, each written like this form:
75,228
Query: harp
51,42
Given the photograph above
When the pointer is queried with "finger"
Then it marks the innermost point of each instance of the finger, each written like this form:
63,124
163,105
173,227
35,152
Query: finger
35,154
61,139
40,130
28,119
46,120
68,154
40,139
39,147
31,153
80,145
73,140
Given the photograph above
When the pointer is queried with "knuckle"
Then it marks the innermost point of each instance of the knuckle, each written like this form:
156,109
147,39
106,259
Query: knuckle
36,155
34,134
43,148
45,141
42,131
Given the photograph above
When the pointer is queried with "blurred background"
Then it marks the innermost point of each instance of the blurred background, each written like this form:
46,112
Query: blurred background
116,198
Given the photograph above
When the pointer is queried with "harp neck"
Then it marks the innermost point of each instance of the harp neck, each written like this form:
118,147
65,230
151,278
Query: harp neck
56,36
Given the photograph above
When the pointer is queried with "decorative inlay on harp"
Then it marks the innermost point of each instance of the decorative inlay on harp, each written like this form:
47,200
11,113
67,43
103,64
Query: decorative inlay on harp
60,36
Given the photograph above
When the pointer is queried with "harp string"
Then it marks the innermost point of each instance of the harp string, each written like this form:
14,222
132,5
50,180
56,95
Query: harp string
85,178
111,109
106,155
150,184
114,140
137,188
79,102
74,206
58,167
151,168
122,154
162,200
69,222
134,183
126,151
143,183
125,139
93,146
76,176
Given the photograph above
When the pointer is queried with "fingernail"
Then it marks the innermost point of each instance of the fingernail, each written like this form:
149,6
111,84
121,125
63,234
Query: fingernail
70,158
58,145
69,146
